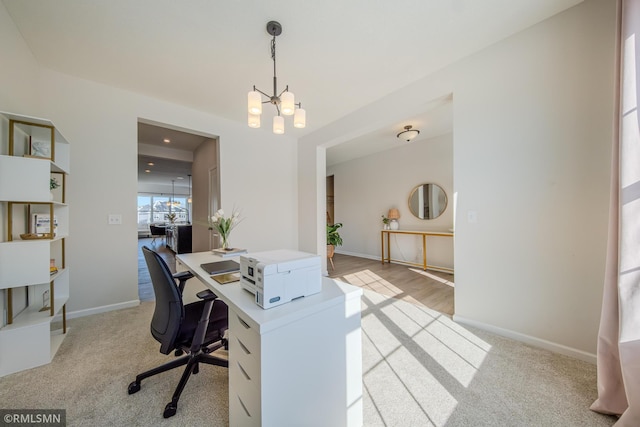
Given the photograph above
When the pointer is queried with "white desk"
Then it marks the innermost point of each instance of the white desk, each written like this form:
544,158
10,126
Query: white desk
298,364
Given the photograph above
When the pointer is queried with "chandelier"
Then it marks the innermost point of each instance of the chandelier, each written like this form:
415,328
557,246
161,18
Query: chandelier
284,102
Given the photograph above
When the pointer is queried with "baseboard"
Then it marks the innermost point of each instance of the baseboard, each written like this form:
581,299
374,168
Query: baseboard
373,257
527,339
96,310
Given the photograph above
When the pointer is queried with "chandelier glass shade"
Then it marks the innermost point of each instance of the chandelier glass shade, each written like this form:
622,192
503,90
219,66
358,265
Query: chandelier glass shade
284,101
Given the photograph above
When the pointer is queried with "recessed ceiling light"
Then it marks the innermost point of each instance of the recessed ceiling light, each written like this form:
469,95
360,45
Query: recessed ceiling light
166,140
147,171
179,177
150,163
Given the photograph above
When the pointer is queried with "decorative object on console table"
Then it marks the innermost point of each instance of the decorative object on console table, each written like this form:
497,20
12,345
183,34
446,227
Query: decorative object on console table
385,222
394,216
333,240
224,225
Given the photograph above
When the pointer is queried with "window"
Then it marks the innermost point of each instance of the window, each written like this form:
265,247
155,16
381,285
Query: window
154,208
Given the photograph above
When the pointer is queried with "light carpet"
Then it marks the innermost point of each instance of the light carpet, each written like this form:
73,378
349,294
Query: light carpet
419,369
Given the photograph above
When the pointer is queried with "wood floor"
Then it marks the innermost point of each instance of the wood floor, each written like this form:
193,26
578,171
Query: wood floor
432,289
145,288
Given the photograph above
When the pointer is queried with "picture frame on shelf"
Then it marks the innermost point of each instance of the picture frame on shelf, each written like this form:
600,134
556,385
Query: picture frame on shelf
40,224
45,301
40,149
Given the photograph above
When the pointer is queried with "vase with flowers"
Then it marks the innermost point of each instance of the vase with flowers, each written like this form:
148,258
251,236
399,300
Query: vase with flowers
223,225
385,222
171,217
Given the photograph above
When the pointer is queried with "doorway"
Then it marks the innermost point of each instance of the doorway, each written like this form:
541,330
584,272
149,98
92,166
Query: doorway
330,208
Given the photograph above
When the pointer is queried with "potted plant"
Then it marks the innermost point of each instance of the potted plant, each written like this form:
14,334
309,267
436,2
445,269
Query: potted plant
333,239
53,184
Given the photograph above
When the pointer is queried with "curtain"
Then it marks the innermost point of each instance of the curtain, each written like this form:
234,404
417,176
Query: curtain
618,355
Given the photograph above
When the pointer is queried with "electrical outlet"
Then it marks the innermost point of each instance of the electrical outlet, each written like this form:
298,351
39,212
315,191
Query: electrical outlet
115,219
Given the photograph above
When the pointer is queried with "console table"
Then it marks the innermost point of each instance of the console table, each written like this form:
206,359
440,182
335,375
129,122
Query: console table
386,233
297,364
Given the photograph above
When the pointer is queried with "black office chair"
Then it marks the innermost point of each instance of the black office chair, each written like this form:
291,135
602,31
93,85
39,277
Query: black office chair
197,328
156,232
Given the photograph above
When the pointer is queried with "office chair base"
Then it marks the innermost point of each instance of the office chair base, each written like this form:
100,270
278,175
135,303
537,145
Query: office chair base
170,410
193,367
134,387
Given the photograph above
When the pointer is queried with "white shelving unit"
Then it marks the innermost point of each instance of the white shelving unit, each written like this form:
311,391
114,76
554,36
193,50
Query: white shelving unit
32,153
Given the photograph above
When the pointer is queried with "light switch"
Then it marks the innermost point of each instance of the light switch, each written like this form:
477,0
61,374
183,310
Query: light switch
115,219
472,217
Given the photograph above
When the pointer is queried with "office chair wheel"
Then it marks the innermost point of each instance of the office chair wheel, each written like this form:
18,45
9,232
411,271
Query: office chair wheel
134,387
170,410
178,352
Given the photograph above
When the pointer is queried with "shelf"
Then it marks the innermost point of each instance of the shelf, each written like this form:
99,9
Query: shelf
23,179
24,262
60,272
32,153
32,315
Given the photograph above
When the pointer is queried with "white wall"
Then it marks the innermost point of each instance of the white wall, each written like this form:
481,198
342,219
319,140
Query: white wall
533,122
19,70
368,187
100,122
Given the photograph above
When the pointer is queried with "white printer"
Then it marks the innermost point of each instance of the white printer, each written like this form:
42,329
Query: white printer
279,276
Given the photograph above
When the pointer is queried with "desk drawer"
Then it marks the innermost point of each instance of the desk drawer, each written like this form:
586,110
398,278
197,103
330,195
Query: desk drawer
244,408
245,334
239,357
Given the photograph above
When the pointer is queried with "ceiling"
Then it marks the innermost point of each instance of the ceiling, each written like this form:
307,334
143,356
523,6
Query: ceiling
157,162
336,56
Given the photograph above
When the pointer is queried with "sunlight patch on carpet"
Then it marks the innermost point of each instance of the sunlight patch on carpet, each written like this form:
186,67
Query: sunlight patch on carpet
417,361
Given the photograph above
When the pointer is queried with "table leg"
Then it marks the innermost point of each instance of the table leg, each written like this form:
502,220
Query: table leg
424,252
382,247
388,248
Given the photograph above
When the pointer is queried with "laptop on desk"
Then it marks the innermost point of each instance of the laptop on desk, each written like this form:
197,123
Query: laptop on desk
219,267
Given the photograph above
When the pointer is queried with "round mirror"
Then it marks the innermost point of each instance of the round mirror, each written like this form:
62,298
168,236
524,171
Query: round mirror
427,201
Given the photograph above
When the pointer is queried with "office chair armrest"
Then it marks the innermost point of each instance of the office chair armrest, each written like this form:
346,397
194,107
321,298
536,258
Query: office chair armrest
183,276
186,275
206,295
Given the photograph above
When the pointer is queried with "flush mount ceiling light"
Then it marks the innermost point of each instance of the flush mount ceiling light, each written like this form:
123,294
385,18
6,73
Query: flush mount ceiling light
408,133
284,102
